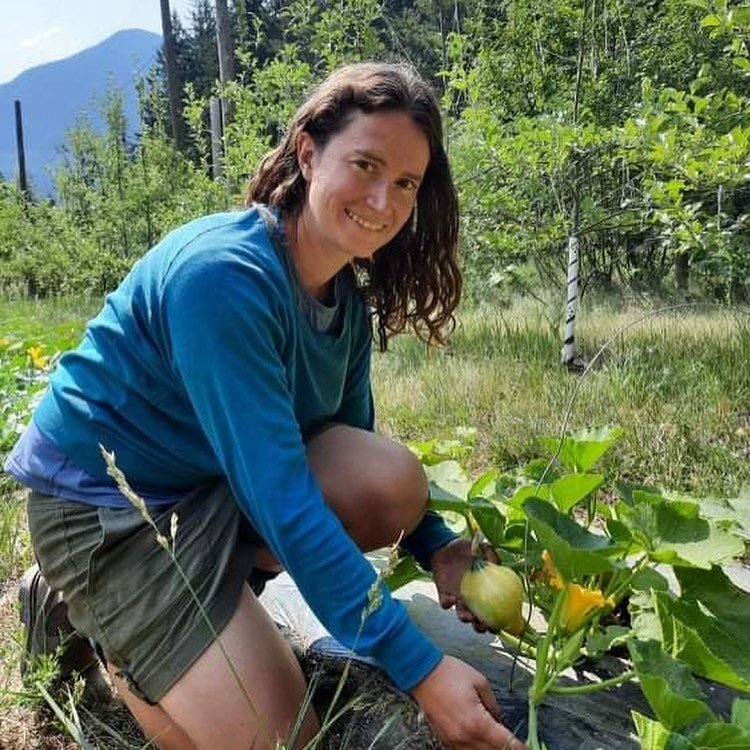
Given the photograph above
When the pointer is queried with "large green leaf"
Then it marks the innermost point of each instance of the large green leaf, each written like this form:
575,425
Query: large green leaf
668,685
571,489
485,512
647,579
484,485
741,713
655,736
644,619
442,501
713,648
620,533
735,511
630,493
582,450
448,481
599,642
674,533
539,469
716,593
575,551
720,736
525,491
490,521
435,451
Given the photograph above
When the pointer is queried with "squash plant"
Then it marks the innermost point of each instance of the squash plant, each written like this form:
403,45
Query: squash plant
642,570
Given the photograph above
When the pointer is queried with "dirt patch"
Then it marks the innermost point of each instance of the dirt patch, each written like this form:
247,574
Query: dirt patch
375,714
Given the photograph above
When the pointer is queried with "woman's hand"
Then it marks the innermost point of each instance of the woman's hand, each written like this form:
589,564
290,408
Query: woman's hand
448,564
459,705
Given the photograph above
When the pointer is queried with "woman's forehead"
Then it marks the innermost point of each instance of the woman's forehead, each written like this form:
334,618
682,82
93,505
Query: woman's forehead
391,136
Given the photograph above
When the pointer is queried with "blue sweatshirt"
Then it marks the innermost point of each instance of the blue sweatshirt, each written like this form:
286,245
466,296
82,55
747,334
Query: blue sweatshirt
202,365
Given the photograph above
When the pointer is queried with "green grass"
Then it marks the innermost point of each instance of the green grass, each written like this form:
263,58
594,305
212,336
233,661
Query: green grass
53,325
678,384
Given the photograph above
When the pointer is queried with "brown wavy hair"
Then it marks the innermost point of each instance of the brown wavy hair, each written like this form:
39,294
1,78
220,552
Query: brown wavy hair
414,279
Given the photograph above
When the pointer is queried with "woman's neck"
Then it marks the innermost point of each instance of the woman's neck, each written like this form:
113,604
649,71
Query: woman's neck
315,268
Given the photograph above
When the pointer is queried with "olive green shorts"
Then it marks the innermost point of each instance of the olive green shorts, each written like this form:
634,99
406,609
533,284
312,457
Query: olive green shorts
125,591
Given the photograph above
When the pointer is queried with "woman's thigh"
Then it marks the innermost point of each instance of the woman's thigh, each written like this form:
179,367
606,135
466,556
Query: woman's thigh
375,486
246,690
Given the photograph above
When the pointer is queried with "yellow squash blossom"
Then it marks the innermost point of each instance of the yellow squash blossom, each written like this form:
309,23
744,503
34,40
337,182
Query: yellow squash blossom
35,355
580,601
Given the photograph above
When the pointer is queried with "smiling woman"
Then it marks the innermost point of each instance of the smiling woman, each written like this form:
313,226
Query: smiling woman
230,375
368,131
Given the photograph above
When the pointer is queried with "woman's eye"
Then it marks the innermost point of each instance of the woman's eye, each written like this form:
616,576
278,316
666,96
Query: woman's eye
364,165
408,185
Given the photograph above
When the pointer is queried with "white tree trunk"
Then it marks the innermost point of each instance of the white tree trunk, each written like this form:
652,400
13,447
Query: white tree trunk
569,350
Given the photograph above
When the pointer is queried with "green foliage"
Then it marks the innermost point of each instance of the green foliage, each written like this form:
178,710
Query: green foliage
577,574
623,123
668,685
262,110
115,201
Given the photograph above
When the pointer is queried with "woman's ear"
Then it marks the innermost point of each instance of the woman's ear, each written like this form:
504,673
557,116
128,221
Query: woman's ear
306,151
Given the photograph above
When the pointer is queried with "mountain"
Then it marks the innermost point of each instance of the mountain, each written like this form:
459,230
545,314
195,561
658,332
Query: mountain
53,95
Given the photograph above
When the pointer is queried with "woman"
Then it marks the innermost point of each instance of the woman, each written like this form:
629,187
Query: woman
229,373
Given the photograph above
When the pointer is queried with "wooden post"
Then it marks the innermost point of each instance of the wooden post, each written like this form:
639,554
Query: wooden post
173,79
23,184
216,138
226,56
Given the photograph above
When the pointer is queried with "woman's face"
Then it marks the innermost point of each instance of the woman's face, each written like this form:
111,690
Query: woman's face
362,185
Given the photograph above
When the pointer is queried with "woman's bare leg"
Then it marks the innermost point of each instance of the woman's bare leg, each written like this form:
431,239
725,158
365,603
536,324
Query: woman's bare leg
375,486
378,489
154,721
214,711
207,708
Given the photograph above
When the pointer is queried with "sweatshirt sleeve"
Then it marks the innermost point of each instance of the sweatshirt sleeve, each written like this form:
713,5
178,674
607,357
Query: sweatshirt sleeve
228,351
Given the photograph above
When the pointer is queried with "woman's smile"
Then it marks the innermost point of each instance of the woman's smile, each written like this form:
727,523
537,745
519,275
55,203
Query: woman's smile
370,226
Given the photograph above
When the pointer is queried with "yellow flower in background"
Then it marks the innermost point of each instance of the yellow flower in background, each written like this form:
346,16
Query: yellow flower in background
35,355
580,602
4,342
551,573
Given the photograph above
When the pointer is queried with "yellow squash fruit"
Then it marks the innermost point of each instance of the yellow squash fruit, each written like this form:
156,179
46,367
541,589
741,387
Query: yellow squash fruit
494,594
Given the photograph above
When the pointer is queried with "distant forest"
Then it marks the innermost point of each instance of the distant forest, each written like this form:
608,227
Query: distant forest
624,125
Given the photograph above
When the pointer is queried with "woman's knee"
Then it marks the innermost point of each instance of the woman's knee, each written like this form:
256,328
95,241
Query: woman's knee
246,691
376,486
401,491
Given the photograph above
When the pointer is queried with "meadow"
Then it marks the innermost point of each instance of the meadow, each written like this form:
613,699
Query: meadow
677,383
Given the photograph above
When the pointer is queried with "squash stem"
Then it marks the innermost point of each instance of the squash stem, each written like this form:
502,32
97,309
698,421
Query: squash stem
518,644
592,687
532,739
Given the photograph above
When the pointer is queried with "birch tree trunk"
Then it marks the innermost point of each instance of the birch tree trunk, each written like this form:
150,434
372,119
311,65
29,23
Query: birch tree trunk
569,349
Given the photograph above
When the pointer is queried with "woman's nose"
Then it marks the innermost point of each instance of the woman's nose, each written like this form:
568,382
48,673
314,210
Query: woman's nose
377,196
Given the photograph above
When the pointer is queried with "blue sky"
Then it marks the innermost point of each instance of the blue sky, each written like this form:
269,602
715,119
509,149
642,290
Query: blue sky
33,32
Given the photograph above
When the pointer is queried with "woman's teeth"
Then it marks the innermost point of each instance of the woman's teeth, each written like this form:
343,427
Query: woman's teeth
359,221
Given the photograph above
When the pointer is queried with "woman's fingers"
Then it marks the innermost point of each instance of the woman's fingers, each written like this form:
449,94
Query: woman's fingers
459,704
489,701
